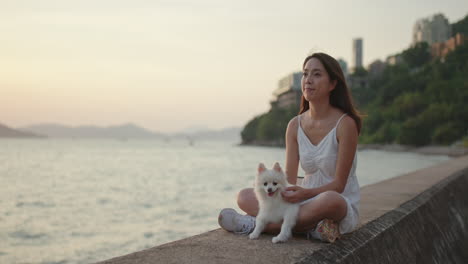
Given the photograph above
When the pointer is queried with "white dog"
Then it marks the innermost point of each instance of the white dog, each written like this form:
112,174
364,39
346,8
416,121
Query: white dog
268,187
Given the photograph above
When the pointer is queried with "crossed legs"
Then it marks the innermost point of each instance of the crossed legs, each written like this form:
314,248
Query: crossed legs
330,205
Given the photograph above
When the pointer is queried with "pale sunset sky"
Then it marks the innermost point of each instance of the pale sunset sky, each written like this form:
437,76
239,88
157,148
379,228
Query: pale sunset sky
167,65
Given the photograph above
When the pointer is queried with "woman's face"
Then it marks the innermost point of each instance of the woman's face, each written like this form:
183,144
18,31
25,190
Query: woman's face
315,81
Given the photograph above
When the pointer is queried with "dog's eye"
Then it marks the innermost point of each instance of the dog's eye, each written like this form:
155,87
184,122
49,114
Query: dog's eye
275,183
265,184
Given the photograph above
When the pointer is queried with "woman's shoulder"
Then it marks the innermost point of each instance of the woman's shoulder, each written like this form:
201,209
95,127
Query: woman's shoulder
347,123
294,122
342,117
293,125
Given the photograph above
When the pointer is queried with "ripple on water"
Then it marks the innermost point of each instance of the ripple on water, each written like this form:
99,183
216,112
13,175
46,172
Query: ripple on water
55,262
38,204
148,234
117,189
181,211
22,234
146,205
228,188
82,234
104,201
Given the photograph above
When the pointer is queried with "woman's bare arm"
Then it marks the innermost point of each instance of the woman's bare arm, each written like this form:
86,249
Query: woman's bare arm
347,136
292,151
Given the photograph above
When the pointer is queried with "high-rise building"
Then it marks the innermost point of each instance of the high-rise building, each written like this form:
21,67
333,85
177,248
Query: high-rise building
434,29
357,53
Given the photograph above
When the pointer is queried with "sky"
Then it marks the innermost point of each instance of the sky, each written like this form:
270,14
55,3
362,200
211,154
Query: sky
172,65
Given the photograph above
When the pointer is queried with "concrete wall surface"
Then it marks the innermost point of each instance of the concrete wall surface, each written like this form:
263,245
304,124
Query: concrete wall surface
420,217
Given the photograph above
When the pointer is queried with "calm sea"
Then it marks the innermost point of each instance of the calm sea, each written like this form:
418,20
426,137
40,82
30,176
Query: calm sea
82,201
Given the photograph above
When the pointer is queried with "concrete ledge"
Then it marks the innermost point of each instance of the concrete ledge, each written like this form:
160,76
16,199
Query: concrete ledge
431,228
419,217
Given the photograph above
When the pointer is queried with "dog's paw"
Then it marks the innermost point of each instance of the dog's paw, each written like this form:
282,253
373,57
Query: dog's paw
279,239
253,236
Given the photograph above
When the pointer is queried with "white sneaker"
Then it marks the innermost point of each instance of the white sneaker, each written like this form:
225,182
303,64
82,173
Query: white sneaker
232,221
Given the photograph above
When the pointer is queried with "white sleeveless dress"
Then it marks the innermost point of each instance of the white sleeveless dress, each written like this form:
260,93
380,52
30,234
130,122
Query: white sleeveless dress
319,164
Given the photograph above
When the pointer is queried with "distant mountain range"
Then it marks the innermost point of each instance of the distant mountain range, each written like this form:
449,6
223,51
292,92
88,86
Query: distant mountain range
121,131
13,133
125,131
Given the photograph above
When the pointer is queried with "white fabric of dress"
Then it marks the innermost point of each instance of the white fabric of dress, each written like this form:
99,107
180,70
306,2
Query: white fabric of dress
319,164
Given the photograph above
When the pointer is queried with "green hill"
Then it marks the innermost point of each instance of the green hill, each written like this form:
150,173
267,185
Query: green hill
460,27
418,102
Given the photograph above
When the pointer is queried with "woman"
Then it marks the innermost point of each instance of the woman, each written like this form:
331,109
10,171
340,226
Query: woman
323,139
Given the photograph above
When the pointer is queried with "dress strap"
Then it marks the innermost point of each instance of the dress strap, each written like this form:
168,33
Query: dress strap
339,120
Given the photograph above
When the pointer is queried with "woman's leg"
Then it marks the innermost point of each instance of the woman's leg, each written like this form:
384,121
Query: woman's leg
247,201
330,205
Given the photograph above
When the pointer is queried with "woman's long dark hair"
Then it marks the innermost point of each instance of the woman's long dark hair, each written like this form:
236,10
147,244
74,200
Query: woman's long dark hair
340,97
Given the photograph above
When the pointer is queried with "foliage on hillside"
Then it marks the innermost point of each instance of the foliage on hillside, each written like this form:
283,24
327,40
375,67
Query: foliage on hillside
460,27
418,102
268,128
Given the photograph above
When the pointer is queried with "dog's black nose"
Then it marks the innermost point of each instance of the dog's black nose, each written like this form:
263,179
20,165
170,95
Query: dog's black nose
270,190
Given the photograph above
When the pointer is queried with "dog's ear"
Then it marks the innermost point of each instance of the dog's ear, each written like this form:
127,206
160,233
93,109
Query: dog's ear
261,168
277,167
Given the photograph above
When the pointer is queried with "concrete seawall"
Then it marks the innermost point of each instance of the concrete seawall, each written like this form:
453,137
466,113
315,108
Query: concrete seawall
420,217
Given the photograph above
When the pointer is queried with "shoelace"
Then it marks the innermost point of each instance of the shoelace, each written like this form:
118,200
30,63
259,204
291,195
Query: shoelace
248,227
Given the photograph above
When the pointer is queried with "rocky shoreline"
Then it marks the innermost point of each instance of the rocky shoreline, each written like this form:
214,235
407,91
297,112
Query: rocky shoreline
451,151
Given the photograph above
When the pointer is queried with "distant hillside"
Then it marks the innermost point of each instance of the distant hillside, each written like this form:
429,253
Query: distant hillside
421,101
120,131
232,134
129,131
13,133
460,27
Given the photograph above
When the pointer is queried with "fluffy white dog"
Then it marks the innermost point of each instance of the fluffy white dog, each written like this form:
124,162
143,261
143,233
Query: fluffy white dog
268,187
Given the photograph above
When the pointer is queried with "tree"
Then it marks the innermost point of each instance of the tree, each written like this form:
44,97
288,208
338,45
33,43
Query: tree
417,55
460,27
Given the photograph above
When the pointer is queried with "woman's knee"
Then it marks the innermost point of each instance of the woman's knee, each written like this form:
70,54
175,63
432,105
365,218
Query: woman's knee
335,203
247,201
245,197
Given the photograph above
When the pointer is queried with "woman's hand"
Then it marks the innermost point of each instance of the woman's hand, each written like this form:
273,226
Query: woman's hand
295,194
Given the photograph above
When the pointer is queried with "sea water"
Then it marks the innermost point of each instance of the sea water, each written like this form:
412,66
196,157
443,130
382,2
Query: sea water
82,201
